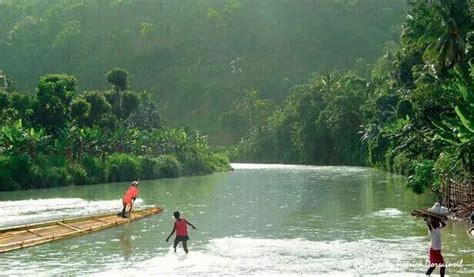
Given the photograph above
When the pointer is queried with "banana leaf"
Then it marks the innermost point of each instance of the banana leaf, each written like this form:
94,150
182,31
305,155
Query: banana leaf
457,128
465,138
445,133
447,137
435,49
466,94
466,116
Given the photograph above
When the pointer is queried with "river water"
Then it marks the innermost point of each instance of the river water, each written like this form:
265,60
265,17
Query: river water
258,219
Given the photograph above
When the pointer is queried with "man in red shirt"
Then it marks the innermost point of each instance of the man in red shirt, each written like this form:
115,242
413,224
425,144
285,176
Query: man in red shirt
129,198
181,228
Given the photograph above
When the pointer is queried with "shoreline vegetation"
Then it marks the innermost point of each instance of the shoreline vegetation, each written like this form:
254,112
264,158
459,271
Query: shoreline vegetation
392,89
411,112
60,136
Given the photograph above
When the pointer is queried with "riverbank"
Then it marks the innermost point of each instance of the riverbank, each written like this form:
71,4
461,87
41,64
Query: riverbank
409,112
462,212
23,172
259,219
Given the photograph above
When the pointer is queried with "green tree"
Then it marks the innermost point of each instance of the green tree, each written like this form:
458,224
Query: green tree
130,102
448,50
51,106
99,106
118,77
147,30
80,111
146,116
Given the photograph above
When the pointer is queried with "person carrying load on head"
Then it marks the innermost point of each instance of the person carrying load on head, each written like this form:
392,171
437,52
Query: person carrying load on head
435,258
128,198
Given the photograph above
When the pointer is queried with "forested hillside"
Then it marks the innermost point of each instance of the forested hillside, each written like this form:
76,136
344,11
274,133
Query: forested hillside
411,112
354,82
195,57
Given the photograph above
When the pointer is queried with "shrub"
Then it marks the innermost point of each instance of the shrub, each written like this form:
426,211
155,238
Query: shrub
7,178
169,166
49,176
96,169
15,172
151,169
21,170
123,167
448,166
377,150
219,162
422,177
56,176
77,174
388,161
57,161
404,109
195,163
165,166
402,164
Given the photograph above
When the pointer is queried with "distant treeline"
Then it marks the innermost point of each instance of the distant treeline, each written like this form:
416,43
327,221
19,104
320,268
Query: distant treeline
194,56
60,136
411,112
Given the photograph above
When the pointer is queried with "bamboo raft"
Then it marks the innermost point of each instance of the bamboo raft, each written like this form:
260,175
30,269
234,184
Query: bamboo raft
18,237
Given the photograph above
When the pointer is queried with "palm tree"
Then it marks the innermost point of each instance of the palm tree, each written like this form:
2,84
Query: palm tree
448,50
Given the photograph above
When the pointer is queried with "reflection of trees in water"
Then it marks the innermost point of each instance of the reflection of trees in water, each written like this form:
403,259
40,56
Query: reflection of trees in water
125,244
182,193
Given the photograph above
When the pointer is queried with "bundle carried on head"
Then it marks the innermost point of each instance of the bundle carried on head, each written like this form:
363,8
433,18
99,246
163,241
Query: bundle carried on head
437,211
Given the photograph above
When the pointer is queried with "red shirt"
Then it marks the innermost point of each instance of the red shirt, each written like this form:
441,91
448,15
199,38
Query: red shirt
132,192
181,227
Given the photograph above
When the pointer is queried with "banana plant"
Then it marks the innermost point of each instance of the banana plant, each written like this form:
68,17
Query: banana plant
458,131
123,140
16,139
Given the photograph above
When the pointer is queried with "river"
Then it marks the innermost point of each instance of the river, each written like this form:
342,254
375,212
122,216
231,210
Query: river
258,219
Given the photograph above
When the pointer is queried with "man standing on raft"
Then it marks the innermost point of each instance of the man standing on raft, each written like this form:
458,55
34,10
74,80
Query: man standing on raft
129,198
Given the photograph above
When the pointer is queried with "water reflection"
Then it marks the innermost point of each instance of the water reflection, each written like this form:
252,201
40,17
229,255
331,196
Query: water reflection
280,220
125,244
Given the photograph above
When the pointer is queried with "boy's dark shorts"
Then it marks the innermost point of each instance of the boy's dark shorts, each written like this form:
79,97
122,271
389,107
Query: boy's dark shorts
181,238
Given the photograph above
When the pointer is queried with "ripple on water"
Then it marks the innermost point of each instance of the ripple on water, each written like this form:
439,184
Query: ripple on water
248,256
388,212
38,210
340,169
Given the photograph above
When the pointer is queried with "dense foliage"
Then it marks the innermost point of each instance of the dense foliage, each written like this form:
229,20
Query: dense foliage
240,70
194,56
59,136
411,112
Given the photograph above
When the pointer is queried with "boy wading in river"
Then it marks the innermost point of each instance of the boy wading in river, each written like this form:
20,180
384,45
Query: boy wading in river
181,228
434,226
